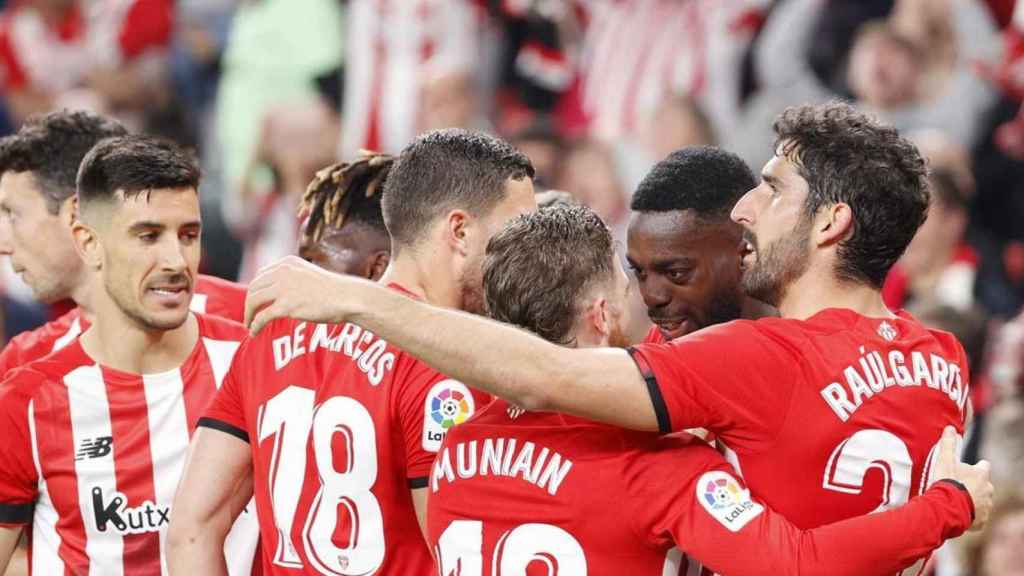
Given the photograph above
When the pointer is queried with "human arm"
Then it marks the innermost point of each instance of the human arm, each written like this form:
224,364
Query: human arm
601,384
715,516
419,502
9,536
211,494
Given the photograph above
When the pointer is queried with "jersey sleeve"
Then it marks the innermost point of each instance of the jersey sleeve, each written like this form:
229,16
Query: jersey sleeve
10,357
712,517
227,411
18,478
428,405
732,379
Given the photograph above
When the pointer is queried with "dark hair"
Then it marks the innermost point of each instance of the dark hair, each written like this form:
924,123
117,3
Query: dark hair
847,156
52,146
132,165
537,269
705,179
347,192
446,169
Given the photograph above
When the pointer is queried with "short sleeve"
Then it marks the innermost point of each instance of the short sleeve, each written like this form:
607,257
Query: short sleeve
227,411
732,379
18,477
429,404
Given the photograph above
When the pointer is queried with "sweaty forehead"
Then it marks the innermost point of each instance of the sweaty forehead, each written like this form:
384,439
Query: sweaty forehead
678,234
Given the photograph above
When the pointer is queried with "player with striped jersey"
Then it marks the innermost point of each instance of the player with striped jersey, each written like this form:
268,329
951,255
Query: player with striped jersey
38,166
96,434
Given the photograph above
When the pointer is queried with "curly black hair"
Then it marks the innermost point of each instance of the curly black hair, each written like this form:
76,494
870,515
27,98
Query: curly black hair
705,179
848,157
52,146
347,192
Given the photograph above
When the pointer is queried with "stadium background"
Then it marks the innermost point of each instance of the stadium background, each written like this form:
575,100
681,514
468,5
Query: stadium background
595,92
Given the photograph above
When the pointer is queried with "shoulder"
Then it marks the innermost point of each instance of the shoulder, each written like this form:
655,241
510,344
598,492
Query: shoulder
218,328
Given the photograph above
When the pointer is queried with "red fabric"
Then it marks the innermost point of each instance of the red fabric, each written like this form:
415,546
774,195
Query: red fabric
212,296
148,24
384,400
805,406
100,435
545,489
654,336
896,290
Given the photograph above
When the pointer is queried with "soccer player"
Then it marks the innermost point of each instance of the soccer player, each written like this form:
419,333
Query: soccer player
373,416
518,486
95,435
343,229
38,166
830,412
682,246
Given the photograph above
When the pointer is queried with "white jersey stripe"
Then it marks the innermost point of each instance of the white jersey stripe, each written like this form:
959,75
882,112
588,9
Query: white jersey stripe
97,478
198,303
220,353
168,440
73,332
45,539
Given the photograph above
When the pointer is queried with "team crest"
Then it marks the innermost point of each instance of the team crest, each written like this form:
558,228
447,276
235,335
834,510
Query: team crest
885,330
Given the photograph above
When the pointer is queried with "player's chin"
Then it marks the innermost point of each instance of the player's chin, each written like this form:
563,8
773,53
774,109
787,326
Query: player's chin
165,319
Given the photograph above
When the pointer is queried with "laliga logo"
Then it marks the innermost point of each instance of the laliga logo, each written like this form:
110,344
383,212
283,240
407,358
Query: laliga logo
449,408
721,493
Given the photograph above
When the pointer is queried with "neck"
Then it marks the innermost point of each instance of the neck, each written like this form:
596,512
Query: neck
82,295
117,341
425,275
818,290
752,309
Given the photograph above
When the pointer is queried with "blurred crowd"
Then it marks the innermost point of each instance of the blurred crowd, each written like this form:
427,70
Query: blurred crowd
595,92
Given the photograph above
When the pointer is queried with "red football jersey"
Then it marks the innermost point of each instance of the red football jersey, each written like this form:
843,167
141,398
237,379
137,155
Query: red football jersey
212,296
828,418
342,424
654,336
511,489
92,456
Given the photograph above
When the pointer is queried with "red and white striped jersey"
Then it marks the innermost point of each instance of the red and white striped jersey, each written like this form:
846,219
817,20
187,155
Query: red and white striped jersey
212,296
93,455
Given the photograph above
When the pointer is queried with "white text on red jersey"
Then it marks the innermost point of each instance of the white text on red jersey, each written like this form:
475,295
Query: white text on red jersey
496,457
368,352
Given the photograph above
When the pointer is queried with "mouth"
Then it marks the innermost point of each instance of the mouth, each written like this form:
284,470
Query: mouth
748,254
673,328
170,295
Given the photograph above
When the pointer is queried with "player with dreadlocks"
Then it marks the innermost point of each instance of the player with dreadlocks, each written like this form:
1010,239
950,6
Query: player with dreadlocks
343,228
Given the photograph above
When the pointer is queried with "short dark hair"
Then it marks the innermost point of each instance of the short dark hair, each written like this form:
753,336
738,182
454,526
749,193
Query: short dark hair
542,263
132,165
705,179
446,169
847,156
52,146
347,192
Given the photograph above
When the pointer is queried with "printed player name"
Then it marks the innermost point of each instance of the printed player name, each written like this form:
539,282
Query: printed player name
543,468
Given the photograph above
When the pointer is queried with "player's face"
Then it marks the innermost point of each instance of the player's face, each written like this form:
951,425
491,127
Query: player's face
39,243
352,250
519,199
618,308
688,269
151,256
1004,555
776,231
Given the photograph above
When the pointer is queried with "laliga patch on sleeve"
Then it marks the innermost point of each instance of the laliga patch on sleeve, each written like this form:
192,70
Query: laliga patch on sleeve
449,403
728,502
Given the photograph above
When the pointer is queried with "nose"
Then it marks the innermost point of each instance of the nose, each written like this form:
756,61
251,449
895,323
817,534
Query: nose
172,255
742,212
655,292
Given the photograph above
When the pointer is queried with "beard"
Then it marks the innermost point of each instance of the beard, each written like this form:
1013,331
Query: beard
778,265
133,309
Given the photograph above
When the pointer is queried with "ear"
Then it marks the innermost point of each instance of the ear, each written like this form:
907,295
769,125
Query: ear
457,226
87,244
377,263
833,224
597,319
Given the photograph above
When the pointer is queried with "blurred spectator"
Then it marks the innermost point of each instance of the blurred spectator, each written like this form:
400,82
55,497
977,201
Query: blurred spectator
450,98
543,145
894,70
589,174
108,55
275,50
392,48
938,265
1003,434
999,549
297,139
